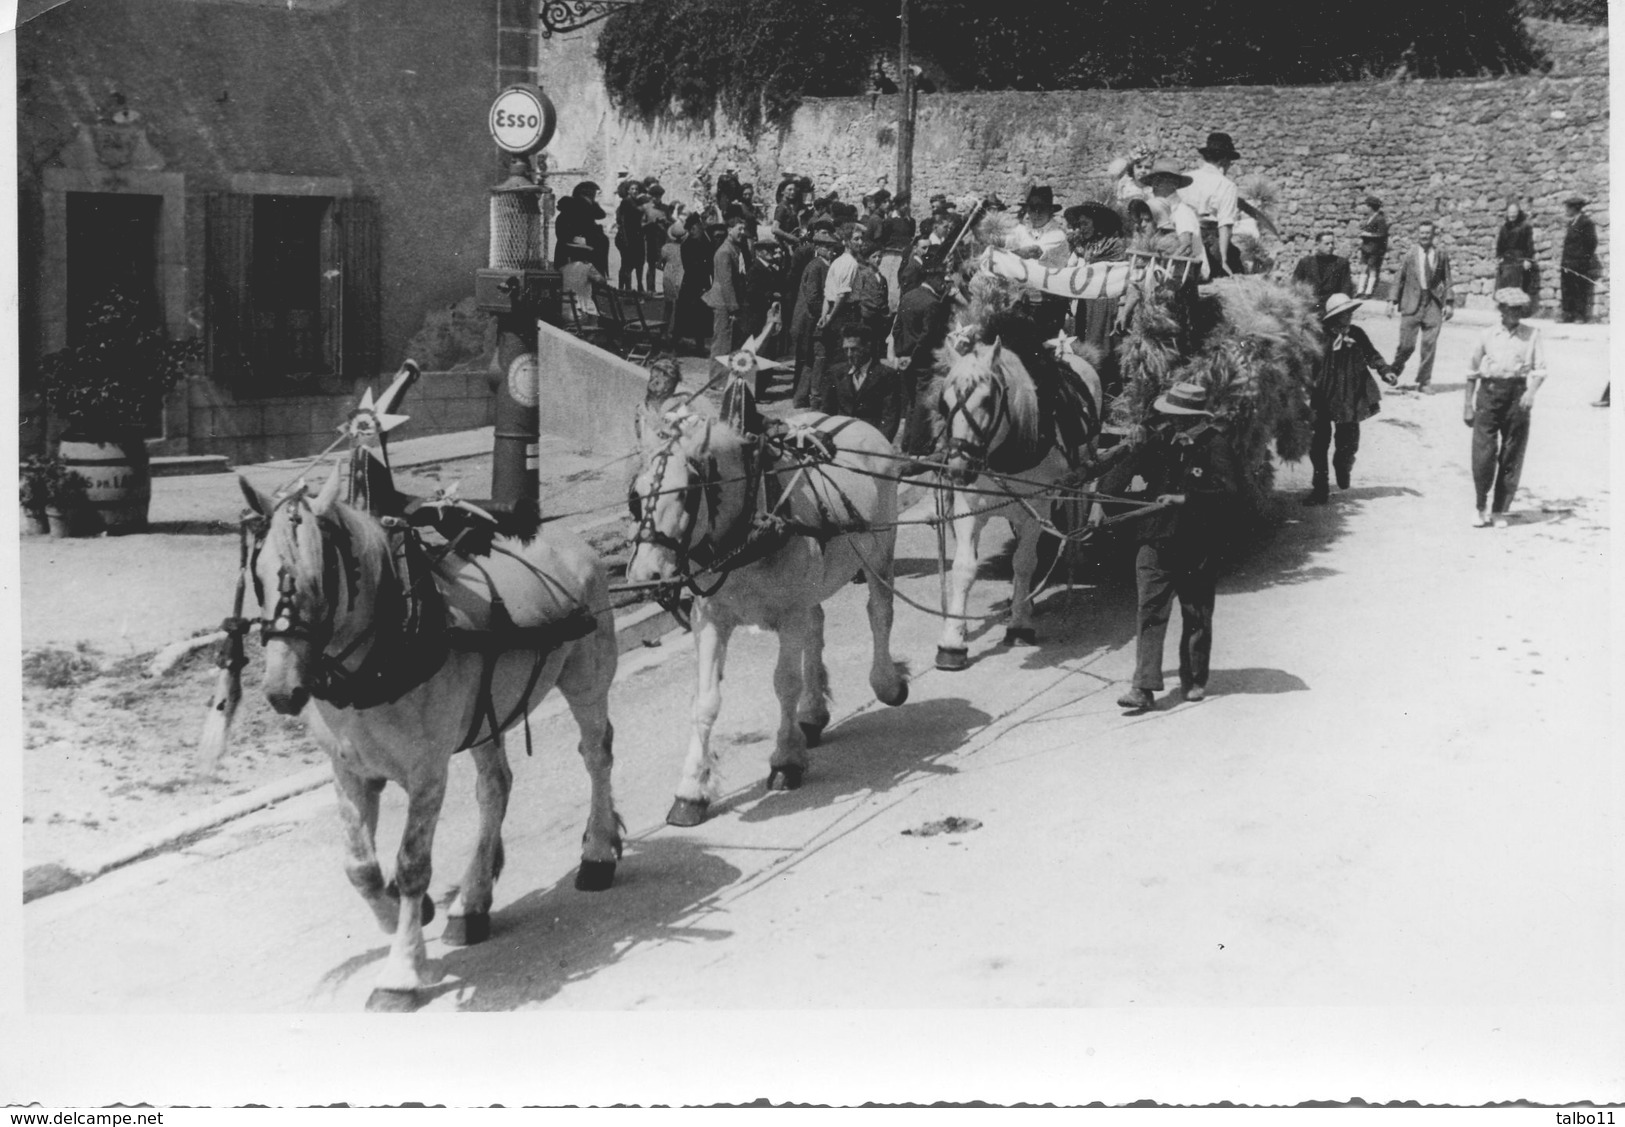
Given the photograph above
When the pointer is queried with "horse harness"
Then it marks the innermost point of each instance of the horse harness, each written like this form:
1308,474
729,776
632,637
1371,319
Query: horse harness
409,628
761,527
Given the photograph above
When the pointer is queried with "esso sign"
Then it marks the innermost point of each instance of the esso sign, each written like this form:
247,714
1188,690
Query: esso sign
522,120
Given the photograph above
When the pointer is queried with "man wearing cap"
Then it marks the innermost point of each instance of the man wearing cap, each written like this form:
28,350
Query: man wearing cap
1579,272
1189,466
1344,395
1216,201
1506,370
1325,272
1425,298
922,318
808,308
896,237
1373,247
1042,237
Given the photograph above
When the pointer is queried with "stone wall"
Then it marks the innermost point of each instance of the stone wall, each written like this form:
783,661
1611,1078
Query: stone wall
1453,151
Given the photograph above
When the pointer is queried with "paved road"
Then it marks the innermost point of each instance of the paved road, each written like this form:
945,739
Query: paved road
1398,812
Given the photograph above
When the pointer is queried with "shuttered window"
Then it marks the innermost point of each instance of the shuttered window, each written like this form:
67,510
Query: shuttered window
292,291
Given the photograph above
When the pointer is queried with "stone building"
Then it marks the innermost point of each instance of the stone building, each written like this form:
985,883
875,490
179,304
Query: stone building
297,183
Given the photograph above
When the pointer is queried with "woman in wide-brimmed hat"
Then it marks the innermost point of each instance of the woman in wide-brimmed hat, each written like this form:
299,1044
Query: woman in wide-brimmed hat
1344,394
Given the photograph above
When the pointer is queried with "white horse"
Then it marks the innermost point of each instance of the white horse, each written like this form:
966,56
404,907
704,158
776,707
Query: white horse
763,538
992,419
399,660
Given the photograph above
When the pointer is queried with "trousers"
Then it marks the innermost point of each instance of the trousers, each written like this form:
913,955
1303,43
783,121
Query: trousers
1426,321
1162,570
1320,442
727,334
1577,293
1500,437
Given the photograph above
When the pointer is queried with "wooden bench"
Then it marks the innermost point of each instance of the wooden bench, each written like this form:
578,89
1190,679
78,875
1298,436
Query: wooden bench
626,325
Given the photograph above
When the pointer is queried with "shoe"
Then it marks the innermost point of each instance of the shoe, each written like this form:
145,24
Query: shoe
1137,699
1481,519
1196,693
1422,389
1600,402
1499,521
1318,495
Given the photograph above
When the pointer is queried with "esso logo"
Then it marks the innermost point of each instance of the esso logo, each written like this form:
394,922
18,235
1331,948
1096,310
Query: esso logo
522,119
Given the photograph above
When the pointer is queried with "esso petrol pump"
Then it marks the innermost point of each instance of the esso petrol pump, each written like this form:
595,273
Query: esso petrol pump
520,287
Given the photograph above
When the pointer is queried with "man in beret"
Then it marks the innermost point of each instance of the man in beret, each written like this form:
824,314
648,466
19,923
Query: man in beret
1579,264
1507,368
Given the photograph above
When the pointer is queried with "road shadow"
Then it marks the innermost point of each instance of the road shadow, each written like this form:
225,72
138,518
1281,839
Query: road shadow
1249,682
552,937
869,753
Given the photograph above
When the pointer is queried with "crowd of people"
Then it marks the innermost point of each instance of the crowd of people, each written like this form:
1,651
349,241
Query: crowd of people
860,291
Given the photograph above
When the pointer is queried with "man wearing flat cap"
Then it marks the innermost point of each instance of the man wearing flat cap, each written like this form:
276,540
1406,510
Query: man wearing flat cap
1217,203
1507,368
1579,271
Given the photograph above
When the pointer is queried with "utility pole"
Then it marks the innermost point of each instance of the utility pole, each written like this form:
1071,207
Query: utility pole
905,124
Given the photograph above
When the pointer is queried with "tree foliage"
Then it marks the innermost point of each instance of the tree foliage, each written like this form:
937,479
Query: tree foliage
754,59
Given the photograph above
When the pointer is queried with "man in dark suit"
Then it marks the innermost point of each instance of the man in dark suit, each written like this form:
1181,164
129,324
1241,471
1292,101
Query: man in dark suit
921,324
1325,272
1425,300
862,387
1579,271
729,295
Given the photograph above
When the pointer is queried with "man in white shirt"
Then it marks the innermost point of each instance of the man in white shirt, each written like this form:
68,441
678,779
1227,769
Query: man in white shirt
1042,237
1217,203
1507,368
840,305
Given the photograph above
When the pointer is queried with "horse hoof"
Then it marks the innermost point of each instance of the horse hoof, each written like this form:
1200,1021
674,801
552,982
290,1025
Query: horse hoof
1021,636
812,733
953,660
382,1001
790,774
902,696
465,931
686,812
595,876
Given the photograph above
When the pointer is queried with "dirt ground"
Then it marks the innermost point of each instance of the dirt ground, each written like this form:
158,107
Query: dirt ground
108,750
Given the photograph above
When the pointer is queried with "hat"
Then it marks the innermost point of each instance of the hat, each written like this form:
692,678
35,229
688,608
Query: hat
578,243
1183,399
823,238
822,223
1511,298
1117,167
1576,201
1040,195
1338,304
1165,168
1373,201
1219,147
881,196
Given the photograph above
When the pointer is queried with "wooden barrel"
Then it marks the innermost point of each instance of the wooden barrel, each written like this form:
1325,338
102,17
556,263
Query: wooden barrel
119,479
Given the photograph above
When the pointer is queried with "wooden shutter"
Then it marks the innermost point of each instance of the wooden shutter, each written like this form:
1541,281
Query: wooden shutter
360,294
229,321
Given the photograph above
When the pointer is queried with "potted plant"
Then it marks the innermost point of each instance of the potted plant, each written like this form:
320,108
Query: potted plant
34,483
67,505
105,388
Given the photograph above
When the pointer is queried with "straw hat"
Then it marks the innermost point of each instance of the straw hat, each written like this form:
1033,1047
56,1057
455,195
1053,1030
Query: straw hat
1511,298
1339,304
1183,399
1166,168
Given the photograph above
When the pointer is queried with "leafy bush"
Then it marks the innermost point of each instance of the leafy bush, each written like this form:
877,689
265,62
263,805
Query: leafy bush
755,59
120,373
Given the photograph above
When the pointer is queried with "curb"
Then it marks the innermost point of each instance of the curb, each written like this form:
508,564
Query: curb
640,627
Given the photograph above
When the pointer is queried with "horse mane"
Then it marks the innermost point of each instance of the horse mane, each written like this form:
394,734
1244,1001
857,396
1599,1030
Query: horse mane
1021,393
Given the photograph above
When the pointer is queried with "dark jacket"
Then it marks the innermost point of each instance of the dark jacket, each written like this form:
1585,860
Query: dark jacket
1201,464
1580,245
1326,274
1515,241
878,402
914,323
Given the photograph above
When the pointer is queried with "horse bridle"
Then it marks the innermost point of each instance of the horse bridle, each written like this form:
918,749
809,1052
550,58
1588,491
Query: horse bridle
705,485
978,447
